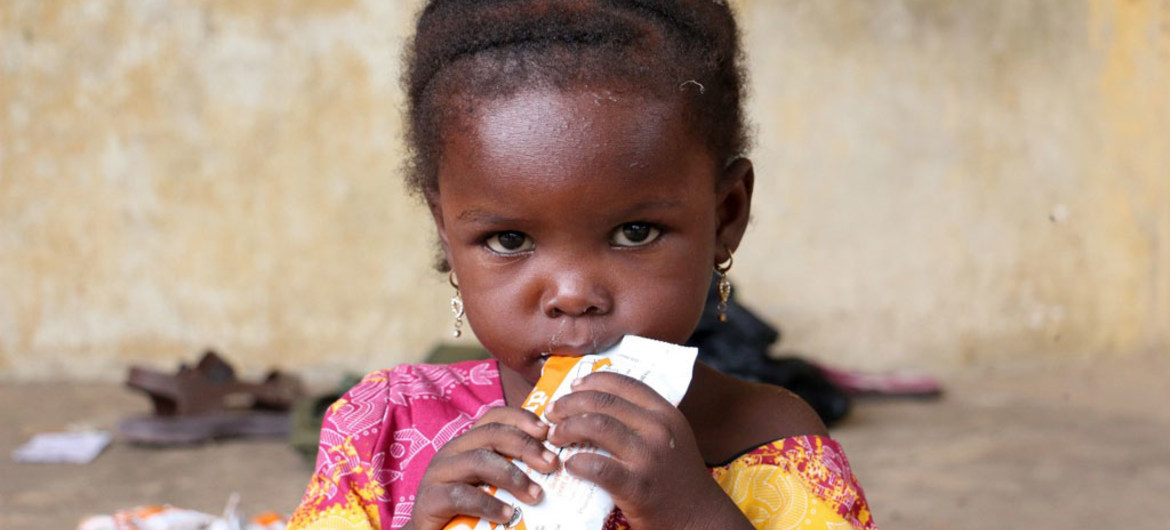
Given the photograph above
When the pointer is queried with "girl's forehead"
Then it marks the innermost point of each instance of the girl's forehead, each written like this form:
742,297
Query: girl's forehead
551,123
544,98
541,140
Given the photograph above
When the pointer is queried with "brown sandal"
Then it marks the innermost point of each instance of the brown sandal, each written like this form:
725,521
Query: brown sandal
206,402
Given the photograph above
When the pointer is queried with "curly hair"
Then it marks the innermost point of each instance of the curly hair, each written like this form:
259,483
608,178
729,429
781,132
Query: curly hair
465,50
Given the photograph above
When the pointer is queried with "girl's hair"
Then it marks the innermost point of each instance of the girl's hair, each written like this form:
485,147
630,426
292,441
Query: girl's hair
465,50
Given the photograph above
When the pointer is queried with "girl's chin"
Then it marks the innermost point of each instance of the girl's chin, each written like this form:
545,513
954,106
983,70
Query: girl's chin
539,369
529,372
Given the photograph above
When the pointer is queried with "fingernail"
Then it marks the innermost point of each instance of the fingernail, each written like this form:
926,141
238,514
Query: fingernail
508,511
551,430
548,409
576,382
549,456
535,491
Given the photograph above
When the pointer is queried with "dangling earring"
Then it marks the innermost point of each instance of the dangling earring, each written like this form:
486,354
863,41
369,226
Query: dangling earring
456,305
724,285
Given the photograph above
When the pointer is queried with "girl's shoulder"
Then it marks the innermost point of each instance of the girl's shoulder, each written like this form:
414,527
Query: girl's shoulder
731,416
466,385
444,381
811,473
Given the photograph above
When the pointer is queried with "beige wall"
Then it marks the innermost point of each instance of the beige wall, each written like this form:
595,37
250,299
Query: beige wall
941,184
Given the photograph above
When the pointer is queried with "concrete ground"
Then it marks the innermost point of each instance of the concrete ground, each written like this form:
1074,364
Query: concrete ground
1080,446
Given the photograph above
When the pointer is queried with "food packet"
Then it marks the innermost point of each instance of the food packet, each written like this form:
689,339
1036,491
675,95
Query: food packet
571,503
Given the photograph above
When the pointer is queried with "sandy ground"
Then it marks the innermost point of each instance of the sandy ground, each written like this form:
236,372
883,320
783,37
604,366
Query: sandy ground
1071,446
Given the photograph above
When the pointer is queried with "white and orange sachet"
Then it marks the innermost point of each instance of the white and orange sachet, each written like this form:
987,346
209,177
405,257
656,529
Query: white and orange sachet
570,503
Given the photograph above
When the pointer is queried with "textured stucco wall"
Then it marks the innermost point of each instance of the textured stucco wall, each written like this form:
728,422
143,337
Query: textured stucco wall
948,183
941,184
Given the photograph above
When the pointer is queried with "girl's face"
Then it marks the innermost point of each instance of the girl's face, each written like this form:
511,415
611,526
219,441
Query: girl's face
574,218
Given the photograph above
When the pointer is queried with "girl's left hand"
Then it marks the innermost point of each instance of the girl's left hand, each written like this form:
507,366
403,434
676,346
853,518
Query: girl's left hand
655,472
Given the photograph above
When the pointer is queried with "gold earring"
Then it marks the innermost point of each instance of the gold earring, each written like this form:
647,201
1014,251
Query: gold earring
456,305
724,285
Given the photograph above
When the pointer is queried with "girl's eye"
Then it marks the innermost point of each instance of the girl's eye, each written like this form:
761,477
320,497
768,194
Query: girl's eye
635,234
509,243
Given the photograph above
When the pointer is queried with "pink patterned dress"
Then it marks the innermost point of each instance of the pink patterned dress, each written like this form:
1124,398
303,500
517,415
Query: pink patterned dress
378,439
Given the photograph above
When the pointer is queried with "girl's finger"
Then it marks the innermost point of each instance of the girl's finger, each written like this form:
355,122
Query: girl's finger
485,466
600,430
632,390
447,500
508,441
520,418
654,429
588,401
609,473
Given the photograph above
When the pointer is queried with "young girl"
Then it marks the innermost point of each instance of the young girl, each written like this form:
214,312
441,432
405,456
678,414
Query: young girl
583,162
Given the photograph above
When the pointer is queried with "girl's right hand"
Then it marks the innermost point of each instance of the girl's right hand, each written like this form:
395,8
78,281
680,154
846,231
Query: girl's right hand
481,456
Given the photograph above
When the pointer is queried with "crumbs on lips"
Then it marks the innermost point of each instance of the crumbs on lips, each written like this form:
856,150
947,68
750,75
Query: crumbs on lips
570,503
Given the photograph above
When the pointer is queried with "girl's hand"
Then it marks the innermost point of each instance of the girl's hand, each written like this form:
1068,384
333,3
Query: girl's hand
655,473
451,485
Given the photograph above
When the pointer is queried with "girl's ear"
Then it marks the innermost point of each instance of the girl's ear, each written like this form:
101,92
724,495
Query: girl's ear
443,260
733,206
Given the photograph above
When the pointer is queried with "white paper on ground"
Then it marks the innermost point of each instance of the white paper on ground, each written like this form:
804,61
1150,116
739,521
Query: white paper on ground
79,447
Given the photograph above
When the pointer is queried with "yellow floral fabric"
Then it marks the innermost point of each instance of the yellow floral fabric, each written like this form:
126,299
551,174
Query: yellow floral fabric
796,483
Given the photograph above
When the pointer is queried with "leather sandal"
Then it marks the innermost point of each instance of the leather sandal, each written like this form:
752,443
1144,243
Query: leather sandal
207,402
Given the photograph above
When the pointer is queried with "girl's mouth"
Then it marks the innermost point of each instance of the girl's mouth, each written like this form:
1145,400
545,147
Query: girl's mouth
579,349
579,337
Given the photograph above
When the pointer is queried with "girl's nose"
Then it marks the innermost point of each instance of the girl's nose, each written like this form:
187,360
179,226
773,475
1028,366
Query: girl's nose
575,294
